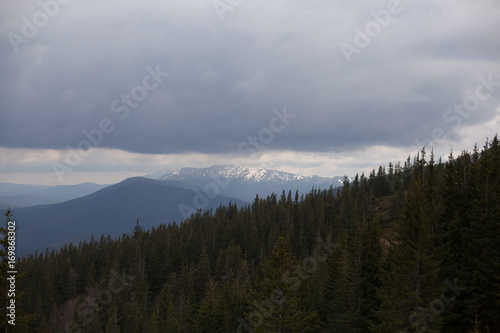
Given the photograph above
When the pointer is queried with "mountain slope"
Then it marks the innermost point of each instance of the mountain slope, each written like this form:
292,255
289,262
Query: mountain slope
112,210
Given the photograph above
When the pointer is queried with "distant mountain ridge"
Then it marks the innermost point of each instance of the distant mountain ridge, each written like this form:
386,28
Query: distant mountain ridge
239,171
23,195
246,182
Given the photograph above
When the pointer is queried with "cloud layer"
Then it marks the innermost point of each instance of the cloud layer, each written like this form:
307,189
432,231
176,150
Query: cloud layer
89,62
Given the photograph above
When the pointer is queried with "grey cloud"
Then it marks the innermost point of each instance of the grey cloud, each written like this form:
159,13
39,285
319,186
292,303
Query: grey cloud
226,77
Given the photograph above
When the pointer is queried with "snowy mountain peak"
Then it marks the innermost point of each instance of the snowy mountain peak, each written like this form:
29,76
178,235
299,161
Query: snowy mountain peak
246,174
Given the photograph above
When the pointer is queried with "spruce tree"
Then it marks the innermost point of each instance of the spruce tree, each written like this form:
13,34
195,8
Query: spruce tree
164,317
410,281
371,273
336,307
213,315
483,294
278,305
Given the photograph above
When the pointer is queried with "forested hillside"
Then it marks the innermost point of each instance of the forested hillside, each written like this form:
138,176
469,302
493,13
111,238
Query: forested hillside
412,247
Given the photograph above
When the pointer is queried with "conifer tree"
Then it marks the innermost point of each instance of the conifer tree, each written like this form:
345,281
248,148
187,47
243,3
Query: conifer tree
336,308
164,317
410,282
371,271
483,296
278,302
213,315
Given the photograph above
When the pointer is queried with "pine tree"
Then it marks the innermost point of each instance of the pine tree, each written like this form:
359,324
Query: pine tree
213,315
336,307
371,273
410,282
483,296
202,273
454,232
164,317
278,304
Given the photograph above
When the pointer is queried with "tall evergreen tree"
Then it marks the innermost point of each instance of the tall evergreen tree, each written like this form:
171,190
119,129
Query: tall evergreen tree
371,273
213,315
336,308
278,302
483,254
410,282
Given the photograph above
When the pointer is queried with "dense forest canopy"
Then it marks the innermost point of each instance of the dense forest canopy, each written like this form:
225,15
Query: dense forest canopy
411,247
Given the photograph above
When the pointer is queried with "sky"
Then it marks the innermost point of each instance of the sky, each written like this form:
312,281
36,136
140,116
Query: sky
101,90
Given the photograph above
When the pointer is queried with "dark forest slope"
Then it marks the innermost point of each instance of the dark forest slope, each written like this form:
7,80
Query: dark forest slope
113,210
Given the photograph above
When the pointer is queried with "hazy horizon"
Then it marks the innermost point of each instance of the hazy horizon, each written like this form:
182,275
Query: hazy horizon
99,91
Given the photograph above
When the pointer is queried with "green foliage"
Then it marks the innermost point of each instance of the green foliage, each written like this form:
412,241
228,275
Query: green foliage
371,274
410,282
336,310
277,296
213,314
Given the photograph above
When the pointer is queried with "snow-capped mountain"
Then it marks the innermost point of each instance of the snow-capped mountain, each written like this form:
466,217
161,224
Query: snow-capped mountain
245,182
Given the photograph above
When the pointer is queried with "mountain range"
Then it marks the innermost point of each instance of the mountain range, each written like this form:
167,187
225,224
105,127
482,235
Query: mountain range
114,209
23,195
245,183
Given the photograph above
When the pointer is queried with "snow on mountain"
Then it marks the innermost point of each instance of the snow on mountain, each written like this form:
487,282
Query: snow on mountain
245,183
247,174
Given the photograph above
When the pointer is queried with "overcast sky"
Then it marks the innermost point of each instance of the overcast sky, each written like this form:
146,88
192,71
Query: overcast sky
101,90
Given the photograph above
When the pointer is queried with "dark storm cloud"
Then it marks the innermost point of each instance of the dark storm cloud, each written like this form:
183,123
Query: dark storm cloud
226,77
